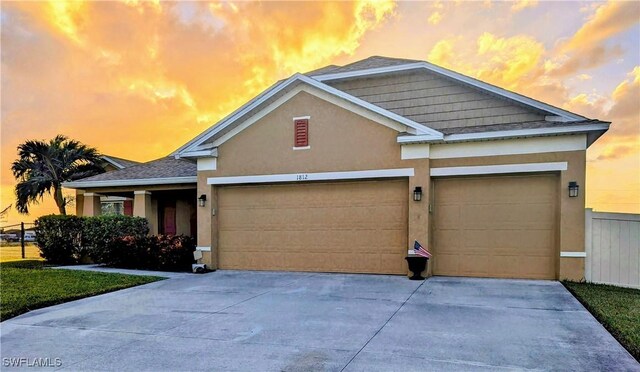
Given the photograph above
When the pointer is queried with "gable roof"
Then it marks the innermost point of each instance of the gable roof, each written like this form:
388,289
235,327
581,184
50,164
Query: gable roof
278,90
383,65
167,170
556,118
364,64
119,163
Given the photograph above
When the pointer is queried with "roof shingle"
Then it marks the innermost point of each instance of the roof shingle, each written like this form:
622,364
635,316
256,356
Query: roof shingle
160,168
365,64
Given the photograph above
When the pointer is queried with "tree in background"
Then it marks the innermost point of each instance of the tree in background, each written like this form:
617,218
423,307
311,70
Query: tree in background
43,166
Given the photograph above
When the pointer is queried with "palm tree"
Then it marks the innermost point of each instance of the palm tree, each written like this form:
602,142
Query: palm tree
42,166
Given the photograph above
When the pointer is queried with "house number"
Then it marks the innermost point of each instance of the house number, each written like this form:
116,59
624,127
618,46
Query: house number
302,177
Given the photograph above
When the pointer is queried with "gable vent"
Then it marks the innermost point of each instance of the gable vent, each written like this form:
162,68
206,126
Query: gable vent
301,132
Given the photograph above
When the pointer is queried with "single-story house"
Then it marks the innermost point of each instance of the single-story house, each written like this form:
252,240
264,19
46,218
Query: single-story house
110,204
342,168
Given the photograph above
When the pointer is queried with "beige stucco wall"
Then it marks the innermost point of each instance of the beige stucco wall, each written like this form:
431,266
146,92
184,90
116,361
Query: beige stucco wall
340,140
183,217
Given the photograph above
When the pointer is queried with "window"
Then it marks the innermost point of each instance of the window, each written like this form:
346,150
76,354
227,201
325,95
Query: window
301,132
112,207
116,205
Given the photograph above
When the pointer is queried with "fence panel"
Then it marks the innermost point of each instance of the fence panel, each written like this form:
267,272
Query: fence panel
613,248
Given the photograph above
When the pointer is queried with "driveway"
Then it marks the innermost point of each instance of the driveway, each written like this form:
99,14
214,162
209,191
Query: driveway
272,321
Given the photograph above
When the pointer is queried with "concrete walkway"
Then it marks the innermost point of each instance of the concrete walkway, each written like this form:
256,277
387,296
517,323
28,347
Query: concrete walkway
106,269
271,321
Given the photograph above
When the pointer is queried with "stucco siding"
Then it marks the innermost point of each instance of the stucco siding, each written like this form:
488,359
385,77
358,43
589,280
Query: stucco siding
339,140
436,102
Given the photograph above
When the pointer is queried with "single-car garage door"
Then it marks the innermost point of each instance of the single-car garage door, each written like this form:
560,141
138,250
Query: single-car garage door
501,227
355,227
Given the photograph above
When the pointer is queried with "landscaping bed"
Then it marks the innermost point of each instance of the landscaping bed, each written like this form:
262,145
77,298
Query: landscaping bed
29,285
618,309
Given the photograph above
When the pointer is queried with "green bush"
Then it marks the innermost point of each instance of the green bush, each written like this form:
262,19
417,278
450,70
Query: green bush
65,240
162,252
59,238
99,231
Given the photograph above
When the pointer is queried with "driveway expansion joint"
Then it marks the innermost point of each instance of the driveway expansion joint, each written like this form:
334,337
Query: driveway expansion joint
383,325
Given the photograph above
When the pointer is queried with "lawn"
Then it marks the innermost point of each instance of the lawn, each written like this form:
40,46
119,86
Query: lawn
27,285
13,252
618,309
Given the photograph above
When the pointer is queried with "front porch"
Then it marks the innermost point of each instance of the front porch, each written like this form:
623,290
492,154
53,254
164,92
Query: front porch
170,211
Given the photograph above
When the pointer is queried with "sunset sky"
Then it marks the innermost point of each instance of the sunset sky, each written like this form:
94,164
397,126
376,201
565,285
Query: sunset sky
138,79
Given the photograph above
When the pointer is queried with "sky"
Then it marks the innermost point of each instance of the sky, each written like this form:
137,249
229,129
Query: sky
137,79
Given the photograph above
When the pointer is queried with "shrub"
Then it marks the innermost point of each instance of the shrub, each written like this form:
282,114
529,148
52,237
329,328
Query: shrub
162,252
58,238
99,231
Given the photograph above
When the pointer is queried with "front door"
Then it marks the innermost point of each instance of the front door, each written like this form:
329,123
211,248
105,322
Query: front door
169,217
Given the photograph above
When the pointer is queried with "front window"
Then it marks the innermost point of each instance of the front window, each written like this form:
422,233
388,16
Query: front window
113,207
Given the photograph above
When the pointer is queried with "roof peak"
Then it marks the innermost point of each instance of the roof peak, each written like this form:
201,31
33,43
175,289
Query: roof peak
363,64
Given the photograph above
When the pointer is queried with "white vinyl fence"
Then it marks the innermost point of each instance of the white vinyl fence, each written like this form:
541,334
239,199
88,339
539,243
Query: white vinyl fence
613,248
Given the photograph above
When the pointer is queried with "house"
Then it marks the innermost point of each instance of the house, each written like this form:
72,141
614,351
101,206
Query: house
342,168
110,204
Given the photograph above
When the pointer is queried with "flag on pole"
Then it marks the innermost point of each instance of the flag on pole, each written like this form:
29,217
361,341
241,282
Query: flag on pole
420,251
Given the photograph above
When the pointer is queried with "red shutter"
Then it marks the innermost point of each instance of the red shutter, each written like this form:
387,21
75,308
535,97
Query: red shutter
128,207
301,133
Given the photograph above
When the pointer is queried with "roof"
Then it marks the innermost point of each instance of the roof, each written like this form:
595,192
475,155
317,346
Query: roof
119,163
157,171
365,64
277,91
373,66
384,65
515,126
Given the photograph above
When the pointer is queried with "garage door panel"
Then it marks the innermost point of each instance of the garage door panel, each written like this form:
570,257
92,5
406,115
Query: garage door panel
449,216
498,227
337,227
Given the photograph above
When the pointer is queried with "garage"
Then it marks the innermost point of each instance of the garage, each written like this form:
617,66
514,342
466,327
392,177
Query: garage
352,227
496,226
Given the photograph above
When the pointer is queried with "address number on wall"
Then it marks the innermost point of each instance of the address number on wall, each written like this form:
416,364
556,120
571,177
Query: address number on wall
302,177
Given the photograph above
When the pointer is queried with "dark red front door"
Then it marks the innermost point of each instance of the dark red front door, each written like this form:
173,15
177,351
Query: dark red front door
169,218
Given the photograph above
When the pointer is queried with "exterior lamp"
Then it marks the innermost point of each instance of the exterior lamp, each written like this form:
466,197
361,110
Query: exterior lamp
202,200
417,193
573,189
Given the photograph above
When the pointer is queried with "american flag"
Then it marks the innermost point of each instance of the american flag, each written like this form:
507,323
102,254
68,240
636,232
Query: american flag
420,251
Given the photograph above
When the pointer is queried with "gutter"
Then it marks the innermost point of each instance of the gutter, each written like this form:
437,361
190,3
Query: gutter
506,134
130,182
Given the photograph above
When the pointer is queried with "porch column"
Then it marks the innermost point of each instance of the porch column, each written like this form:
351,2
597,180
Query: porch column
142,207
79,202
91,204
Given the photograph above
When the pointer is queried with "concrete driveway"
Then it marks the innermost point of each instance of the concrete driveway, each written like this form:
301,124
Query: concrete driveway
270,321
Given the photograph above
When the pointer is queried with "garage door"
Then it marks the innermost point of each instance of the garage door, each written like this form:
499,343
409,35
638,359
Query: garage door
355,227
501,227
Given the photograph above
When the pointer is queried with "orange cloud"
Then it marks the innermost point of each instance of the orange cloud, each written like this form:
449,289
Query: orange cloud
137,79
587,47
609,19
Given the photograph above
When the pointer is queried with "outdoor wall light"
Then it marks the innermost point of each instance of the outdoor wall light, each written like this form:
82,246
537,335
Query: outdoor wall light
573,189
202,200
417,193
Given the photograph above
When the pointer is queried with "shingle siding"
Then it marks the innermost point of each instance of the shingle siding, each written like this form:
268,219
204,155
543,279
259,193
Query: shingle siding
436,102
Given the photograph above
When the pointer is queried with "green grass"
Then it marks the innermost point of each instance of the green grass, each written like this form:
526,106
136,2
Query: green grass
13,252
618,309
27,285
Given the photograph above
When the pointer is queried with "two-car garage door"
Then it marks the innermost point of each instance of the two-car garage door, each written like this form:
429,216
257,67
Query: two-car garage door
356,227
502,227
492,226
